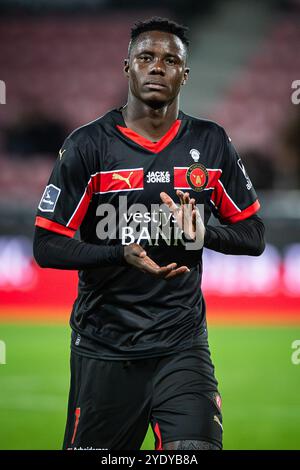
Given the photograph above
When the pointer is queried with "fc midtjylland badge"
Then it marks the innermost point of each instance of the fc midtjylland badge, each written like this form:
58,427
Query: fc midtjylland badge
197,176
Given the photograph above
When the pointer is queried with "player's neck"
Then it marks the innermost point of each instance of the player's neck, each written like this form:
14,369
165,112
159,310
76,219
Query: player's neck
148,122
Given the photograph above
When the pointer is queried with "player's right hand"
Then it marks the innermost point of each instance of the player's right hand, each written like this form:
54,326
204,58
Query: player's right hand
136,256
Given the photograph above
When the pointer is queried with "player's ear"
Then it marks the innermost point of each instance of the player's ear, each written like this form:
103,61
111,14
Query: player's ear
185,76
126,67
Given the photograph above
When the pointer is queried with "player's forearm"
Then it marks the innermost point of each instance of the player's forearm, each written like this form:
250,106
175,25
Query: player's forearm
243,238
52,250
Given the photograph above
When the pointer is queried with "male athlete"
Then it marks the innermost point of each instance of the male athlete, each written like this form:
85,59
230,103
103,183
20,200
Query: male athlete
139,346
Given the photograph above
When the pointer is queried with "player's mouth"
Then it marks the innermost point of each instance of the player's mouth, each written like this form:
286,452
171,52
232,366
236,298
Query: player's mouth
155,85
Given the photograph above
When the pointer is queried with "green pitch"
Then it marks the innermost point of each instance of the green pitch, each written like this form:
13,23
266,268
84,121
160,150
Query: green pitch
259,384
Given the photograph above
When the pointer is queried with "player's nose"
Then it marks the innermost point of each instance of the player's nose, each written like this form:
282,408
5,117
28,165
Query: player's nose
158,68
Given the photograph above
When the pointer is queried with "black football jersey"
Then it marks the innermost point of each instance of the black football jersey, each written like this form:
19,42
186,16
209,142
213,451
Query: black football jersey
106,183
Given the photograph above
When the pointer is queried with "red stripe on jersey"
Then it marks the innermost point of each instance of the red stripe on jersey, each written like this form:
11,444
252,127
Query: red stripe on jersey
158,442
54,227
80,211
120,180
77,416
102,182
154,147
228,210
224,204
245,213
180,180
226,207
213,177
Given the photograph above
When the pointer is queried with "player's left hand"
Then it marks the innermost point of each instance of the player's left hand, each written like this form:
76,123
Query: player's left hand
186,214
136,256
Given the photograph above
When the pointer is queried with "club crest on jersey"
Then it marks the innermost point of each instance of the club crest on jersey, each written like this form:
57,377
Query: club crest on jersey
197,177
195,154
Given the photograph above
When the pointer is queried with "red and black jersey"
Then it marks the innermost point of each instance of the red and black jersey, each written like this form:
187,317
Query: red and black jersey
121,312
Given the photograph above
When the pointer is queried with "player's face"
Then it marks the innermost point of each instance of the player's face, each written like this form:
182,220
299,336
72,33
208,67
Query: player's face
156,68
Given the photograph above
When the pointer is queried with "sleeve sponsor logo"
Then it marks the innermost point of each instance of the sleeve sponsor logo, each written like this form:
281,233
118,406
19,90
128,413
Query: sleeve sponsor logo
240,164
49,198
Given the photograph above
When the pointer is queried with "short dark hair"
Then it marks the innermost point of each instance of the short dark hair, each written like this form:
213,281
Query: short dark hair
157,23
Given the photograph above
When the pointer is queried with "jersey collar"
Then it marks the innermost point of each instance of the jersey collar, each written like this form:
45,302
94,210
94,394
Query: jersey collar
154,147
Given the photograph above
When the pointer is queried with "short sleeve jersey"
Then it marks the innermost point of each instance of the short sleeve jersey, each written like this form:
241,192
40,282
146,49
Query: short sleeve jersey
106,183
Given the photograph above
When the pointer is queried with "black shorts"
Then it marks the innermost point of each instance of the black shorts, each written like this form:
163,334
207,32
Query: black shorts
111,403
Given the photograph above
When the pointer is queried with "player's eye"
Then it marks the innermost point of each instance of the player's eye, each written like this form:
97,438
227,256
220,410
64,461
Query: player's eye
145,58
170,60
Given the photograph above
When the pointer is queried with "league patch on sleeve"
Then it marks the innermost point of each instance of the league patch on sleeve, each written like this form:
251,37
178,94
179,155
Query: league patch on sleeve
49,198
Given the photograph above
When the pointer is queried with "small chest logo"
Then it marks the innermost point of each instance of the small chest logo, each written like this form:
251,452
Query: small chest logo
116,176
195,154
158,177
197,177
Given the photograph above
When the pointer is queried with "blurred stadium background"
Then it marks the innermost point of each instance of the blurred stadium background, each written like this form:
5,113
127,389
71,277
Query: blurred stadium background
62,63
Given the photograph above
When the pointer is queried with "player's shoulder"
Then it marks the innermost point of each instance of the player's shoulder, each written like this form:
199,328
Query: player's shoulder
91,131
200,124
